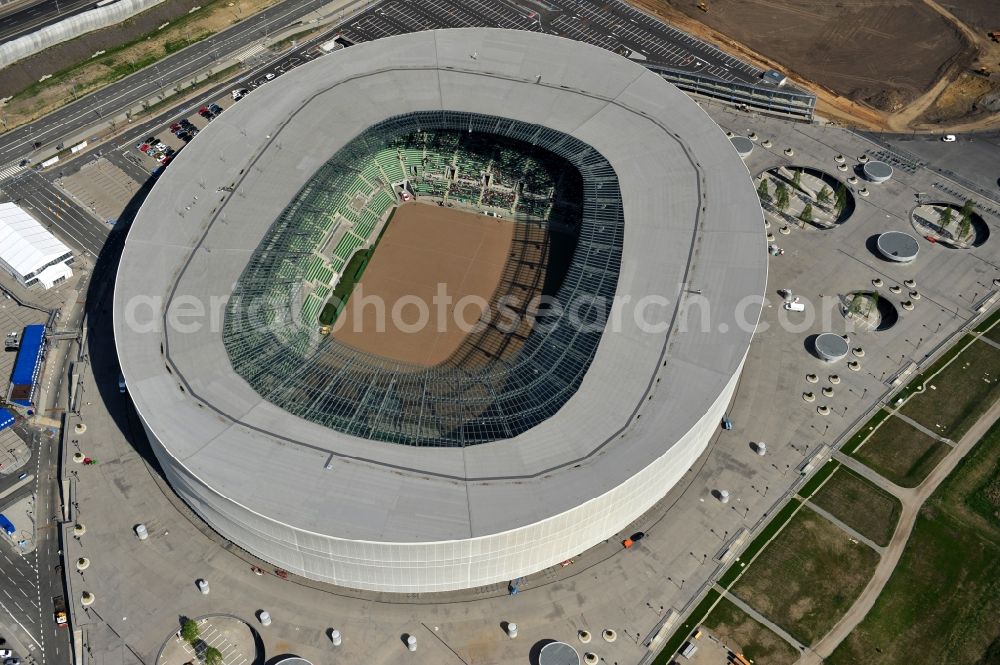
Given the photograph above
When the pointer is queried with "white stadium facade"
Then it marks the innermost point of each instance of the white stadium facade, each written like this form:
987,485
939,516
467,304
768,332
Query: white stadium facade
341,470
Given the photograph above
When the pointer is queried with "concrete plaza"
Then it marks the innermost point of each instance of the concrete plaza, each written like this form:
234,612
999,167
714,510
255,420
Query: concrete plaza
142,587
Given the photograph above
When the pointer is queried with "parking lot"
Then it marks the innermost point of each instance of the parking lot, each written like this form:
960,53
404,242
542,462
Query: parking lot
614,26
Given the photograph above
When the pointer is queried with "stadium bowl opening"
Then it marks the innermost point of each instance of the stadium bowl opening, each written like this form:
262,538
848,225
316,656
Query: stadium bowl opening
500,452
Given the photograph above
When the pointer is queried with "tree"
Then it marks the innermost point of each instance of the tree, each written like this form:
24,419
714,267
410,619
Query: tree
212,656
189,631
762,192
807,213
781,196
824,195
967,208
966,217
841,198
797,179
963,227
945,218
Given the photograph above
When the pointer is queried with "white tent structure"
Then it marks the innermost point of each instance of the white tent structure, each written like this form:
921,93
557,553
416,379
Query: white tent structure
29,252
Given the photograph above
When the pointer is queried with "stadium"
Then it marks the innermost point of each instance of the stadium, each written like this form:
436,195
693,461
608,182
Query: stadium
602,224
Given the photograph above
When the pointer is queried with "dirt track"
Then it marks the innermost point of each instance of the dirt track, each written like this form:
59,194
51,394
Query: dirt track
424,246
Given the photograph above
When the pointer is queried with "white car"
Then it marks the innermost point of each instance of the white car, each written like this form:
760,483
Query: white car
6,653
949,138
268,76
203,587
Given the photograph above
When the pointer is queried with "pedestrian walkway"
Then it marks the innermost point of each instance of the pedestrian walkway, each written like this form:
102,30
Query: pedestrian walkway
913,423
844,527
11,170
760,618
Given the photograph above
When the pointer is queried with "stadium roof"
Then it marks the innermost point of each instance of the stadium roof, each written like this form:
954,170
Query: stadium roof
26,245
693,224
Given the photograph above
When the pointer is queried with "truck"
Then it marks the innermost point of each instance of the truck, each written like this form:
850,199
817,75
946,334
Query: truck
59,603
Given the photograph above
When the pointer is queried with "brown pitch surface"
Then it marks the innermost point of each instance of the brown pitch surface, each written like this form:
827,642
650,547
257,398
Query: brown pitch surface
424,246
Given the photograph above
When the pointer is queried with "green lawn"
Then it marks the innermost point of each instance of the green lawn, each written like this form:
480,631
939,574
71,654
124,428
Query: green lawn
859,437
954,399
342,292
350,277
866,508
942,602
901,452
808,577
740,632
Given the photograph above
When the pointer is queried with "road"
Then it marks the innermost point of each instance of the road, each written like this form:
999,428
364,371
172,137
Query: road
34,192
18,143
36,16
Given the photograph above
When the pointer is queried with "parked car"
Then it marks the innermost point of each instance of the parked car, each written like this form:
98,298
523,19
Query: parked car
949,138
205,113
174,127
184,136
269,76
121,383
215,108
203,587
6,653
239,94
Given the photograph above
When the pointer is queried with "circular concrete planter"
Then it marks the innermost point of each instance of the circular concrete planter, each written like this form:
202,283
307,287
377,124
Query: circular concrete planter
908,305
789,152
766,143
852,180
83,563
770,237
839,159
812,378
842,167
827,391
730,135
863,159
854,366
864,191
584,636
909,283
767,224
877,282
80,428
823,410
914,295
809,397
79,529
590,658
753,136
834,379
79,457
895,288
784,230
87,598
609,635
858,352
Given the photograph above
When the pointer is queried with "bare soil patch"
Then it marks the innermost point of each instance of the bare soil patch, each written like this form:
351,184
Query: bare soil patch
883,54
968,97
427,246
